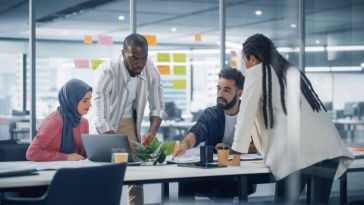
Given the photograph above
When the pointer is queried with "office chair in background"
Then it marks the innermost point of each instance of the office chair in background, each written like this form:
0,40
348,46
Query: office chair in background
78,186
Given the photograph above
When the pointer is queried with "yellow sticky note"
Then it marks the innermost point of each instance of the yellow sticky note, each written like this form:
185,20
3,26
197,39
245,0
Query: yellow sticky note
164,69
87,39
95,63
179,70
163,57
179,84
151,39
179,57
198,37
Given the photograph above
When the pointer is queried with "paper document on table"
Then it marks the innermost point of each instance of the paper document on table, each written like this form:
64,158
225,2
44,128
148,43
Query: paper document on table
64,164
183,159
249,157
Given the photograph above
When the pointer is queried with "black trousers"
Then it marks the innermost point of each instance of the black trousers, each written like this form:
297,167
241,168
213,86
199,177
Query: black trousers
320,175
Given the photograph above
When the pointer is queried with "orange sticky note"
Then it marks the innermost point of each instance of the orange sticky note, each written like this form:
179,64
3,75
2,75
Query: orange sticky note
164,69
151,39
233,64
198,37
87,39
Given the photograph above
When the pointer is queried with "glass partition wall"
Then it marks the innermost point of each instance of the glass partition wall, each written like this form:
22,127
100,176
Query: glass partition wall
73,37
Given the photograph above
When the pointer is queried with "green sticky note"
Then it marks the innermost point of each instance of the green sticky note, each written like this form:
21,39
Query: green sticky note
179,70
179,57
163,57
95,63
179,84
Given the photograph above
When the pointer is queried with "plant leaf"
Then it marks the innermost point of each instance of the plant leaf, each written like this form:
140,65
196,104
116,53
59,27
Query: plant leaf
168,147
153,145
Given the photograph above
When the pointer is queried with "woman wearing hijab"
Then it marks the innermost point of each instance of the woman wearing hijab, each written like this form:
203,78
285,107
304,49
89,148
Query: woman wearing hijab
59,135
314,151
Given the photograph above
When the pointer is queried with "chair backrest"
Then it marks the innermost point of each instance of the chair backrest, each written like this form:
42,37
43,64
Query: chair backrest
88,185
10,150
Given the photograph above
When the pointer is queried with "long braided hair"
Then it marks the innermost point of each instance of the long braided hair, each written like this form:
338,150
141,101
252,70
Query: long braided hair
263,49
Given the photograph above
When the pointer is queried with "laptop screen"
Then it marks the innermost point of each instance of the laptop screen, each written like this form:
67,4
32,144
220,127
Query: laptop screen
98,146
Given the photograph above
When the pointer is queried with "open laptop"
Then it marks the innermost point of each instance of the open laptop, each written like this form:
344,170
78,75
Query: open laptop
98,147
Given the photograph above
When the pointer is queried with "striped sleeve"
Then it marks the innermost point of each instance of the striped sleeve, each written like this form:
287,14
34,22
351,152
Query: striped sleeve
102,96
156,104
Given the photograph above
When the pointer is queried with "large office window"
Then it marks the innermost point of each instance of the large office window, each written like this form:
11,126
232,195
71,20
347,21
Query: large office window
334,61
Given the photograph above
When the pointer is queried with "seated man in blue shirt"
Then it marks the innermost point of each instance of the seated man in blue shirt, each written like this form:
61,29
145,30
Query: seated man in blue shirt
215,127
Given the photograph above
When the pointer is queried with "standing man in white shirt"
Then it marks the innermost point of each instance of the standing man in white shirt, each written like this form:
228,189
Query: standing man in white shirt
121,94
317,154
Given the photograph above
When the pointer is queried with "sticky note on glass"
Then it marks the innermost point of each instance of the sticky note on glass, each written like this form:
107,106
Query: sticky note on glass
81,63
164,69
87,39
179,84
163,57
233,53
105,40
151,39
95,63
233,64
179,57
198,37
179,70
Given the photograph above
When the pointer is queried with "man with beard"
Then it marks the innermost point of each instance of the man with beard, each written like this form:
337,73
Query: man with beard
215,127
121,94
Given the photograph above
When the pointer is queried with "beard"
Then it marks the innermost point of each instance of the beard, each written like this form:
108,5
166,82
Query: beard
226,105
132,72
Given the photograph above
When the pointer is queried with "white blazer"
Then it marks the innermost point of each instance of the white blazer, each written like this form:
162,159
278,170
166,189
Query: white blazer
318,137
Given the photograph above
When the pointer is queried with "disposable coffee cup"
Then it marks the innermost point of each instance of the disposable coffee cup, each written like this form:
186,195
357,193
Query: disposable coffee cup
222,155
119,155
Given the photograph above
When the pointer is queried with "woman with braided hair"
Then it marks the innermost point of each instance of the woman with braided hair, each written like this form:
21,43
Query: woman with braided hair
317,154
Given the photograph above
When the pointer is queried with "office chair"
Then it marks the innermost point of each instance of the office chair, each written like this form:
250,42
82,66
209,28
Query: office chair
78,186
10,150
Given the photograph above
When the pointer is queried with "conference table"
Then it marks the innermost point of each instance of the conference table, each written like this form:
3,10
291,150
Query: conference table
163,174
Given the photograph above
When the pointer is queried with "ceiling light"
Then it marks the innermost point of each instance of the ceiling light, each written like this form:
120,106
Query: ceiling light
317,41
173,29
362,65
121,18
293,25
64,32
258,12
317,69
345,48
315,49
346,68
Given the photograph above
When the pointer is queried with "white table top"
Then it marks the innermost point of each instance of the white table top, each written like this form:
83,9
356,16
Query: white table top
140,174
144,174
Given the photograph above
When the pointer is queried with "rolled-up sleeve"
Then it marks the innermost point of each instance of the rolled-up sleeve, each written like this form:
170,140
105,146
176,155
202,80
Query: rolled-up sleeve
155,98
102,97
248,111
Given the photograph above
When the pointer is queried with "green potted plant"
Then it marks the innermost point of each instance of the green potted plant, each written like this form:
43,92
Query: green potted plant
156,151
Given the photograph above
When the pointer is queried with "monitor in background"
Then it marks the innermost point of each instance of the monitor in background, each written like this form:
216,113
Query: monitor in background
98,146
350,109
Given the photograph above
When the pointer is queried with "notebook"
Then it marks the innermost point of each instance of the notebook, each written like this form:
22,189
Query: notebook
98,147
